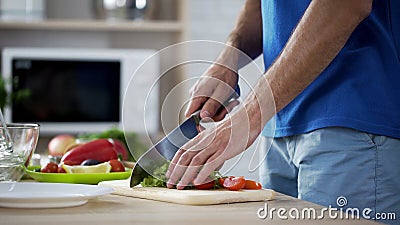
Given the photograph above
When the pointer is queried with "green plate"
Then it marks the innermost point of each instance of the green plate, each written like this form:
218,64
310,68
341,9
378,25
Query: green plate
76,178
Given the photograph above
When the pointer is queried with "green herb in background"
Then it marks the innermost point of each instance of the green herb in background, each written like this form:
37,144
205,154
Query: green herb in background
3,94
6,98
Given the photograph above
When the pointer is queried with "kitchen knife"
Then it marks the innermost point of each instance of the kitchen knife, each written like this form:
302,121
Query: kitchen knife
163,152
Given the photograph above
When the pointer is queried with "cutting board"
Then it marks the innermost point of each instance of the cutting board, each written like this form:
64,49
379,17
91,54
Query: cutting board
189,197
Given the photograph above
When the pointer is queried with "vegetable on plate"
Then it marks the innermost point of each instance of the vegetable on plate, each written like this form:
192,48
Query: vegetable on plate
58,145
116,166
50,167
100,149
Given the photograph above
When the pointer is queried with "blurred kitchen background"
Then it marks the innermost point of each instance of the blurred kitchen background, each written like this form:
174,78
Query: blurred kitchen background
136,25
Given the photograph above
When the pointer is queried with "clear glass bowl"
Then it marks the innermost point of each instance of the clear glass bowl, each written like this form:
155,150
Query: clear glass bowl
25,138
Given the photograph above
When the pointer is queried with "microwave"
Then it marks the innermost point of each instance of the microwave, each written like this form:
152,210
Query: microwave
82,90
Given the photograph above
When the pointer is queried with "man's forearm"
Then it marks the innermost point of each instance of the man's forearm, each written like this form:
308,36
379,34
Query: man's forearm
318,38
246,36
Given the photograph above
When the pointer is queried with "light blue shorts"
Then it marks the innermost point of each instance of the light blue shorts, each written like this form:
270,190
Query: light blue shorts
329,163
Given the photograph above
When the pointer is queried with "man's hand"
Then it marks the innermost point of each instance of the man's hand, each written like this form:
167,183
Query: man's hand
243,45
211,91
198,158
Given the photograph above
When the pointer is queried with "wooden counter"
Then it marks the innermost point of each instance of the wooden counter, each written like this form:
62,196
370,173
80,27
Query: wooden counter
119,210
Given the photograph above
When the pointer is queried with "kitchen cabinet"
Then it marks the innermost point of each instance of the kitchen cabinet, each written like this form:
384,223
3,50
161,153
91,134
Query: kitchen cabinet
93,26
71,24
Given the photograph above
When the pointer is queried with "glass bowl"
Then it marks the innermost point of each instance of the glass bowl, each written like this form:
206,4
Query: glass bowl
12,163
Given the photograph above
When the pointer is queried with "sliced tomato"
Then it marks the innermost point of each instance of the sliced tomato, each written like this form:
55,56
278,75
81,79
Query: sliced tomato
253,185
234,183
206,186
222,180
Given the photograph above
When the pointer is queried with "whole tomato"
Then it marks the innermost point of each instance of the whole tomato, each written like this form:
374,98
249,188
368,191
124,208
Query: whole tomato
116,166
50,167
61,169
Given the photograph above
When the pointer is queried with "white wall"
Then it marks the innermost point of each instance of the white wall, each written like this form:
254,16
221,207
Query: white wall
213,20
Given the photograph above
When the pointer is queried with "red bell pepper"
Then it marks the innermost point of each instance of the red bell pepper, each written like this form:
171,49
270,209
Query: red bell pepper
100,149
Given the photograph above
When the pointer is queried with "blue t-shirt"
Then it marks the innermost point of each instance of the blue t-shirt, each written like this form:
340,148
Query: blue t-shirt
360,89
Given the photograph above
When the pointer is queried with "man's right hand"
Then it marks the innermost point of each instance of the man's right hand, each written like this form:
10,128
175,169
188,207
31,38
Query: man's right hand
209,93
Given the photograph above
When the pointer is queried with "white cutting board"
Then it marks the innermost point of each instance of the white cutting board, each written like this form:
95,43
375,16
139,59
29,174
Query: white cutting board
188,197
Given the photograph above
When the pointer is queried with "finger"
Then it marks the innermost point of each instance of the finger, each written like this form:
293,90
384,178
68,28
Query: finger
188,176
173,162
219,167
194,167
224,110
212,163
195,104
180,167
197,140
232,104
220,115
210,108
215,101
205,172
177,157
172,166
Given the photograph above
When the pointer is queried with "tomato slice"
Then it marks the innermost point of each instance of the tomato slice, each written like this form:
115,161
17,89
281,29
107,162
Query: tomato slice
234,183
205,186
221,181
253,185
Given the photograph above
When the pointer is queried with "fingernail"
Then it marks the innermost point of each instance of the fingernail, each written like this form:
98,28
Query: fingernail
169,182
204,114
180,186
196,181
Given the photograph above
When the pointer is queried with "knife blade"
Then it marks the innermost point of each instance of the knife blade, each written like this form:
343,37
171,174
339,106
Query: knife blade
163,152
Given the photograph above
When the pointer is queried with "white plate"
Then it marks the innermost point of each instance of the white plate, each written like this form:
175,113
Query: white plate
48,195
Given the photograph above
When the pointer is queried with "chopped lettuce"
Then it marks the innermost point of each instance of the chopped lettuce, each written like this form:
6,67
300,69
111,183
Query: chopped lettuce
158,179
